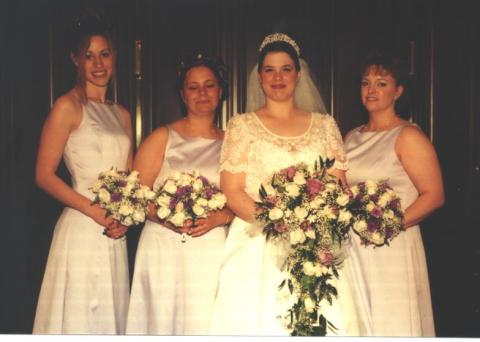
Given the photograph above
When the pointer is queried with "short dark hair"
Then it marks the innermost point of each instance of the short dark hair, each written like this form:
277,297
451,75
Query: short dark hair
215,65
278,46
391,64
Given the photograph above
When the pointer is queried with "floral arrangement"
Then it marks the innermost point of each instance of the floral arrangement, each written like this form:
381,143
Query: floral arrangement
187,196
377,213
122,196
309,209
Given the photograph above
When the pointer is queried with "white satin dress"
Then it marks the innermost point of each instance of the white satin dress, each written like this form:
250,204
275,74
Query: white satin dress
174,283
246,301
397,275
85,286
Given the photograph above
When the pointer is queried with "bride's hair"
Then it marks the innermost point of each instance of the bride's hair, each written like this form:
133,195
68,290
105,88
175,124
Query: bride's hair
278,46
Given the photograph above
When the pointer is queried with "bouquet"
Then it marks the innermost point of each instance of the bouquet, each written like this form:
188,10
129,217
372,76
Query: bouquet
308,208
187,196
378,216
122,196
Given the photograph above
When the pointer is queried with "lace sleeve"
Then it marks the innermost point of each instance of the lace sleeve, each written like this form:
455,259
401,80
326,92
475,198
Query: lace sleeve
235,146
335,144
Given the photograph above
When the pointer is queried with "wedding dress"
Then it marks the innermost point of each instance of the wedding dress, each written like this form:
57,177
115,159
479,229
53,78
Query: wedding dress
246,301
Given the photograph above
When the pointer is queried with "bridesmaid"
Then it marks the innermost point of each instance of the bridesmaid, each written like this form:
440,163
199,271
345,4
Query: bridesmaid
85,286
388,147
174,282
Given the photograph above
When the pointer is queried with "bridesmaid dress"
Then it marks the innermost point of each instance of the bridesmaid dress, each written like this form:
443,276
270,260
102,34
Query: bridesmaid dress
397,275
85,286
174,283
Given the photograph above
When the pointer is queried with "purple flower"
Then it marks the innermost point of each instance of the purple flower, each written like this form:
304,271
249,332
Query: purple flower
314,186
377,212
189,204
395,204
121,183
204,180
183,190
173,203
374,197
373,225
209,193
134,200
116,197
388,232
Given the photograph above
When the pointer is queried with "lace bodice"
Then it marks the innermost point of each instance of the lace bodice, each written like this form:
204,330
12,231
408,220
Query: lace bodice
251,148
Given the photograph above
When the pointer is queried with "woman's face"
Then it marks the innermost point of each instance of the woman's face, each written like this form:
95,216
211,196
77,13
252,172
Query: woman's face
278,76
379,90
97,62
201,91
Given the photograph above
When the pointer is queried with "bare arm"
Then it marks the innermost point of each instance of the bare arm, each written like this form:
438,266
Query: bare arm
64,117
419,160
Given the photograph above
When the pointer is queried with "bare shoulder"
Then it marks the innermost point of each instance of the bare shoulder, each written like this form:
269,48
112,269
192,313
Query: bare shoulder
124,111
159,135
412,140
67,111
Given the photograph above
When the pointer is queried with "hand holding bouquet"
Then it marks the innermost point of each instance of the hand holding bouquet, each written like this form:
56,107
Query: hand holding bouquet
122,196
187,196
307,207
377,213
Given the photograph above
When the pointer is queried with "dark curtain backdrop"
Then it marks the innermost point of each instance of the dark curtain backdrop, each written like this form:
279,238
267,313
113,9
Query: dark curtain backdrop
438,38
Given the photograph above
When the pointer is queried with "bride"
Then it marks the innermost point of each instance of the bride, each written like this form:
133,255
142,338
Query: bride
283,130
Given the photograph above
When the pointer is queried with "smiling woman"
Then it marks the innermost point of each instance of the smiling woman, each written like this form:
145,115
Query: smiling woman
93,136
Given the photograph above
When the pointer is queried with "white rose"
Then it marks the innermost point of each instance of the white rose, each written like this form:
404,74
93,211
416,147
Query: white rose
148,194
389,214
138,216
104,195
360,226
163,212
179,207
370,206
310,234
292,190
175,175
300,213
299,178
343,200
127,221
288,213
344,216
178,219
198,210
354,189
185,180
371,187
133,176
170,187
127,189
125,210
312,218
330,186
328,212
270,190
317,202
309,304
275,214
377,238
297,236
383,200
163,200
309,268
202,202
197,185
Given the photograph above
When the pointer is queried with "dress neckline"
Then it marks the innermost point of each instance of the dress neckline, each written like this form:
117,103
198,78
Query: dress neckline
281,136
359,129
191,138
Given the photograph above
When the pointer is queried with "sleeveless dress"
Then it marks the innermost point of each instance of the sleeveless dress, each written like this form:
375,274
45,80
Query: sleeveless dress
85,286
174,283
246,302
397,275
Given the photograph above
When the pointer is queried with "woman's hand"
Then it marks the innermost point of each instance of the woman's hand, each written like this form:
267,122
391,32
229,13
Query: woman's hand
113,228
214,219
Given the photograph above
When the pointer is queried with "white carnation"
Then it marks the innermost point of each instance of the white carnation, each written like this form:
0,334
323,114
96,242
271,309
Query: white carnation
175,175
133,176
377,238
139,216
178,219
370,206
125,210
328,212
202,202
185,179
371,187
163,200
179,207
389,214
198,210
197,185
384,199
344,215
317,202
127,221
309,268
354,190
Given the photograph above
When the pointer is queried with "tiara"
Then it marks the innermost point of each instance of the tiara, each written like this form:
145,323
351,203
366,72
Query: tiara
279,37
